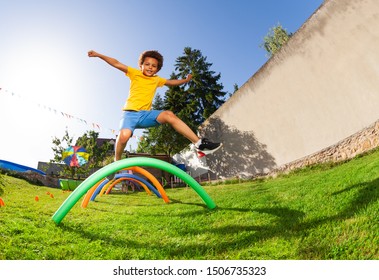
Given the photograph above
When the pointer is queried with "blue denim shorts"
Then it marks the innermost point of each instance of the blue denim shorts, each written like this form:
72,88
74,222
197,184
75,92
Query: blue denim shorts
139,119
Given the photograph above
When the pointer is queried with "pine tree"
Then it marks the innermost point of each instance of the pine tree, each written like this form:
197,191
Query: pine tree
196,101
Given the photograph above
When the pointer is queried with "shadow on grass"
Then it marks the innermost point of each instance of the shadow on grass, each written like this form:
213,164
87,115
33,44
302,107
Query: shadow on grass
177,201
367,193
288,224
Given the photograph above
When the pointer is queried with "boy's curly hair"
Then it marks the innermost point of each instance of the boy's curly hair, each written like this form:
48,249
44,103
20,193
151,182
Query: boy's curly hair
153,54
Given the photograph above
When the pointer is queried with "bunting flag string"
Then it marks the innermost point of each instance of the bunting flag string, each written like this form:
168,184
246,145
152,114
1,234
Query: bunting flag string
55,111
94,125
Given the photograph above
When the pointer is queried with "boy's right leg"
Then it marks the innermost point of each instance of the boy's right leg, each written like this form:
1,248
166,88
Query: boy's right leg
122,140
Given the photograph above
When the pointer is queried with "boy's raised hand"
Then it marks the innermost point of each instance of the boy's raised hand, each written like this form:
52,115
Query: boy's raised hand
189,77
92,53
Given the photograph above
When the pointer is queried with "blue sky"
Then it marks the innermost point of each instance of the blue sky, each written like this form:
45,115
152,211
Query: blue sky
45,71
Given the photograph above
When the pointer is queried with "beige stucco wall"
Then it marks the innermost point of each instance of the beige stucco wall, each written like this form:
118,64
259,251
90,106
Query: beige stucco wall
322,87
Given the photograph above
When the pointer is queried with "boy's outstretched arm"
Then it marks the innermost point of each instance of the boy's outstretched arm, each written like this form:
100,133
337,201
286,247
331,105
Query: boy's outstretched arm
111,61
178,82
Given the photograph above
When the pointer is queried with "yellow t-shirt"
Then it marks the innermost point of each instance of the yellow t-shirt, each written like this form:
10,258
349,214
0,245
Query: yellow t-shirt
142,90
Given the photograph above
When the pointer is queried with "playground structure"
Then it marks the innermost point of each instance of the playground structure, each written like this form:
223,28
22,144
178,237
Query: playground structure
92,184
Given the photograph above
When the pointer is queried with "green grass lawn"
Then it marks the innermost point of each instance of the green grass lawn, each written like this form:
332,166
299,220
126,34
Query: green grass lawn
319,213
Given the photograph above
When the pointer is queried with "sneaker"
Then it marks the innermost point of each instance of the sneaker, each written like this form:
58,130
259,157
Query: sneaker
207,147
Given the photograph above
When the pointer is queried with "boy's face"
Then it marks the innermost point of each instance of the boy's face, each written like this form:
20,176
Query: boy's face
149,66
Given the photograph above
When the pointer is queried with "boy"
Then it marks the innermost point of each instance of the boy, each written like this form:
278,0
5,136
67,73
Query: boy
137,109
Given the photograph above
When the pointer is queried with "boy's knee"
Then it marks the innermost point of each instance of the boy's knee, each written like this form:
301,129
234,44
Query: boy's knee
169,114
167,117
124,136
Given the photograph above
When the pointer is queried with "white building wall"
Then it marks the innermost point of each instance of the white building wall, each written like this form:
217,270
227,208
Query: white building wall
320,88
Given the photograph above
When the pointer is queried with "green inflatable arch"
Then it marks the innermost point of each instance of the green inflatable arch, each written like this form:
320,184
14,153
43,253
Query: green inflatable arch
125,163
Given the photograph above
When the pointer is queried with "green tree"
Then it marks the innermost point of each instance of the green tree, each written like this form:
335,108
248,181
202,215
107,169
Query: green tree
275,39
158,103
59,146
193,102
235,88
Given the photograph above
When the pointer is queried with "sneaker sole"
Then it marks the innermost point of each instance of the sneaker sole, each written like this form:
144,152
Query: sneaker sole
207,152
